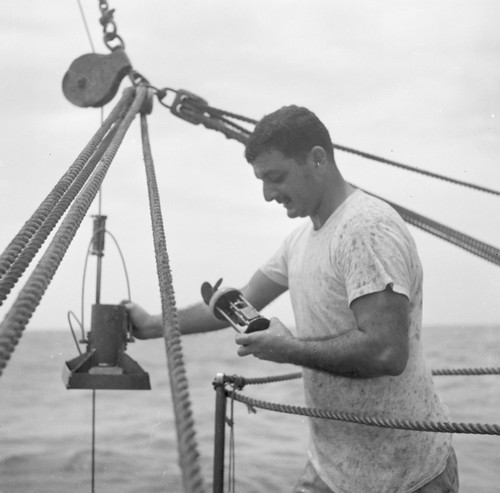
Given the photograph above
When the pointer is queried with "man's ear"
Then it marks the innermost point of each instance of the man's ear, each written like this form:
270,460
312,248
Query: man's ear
318,156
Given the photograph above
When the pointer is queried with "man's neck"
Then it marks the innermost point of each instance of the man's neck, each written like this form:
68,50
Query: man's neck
333,197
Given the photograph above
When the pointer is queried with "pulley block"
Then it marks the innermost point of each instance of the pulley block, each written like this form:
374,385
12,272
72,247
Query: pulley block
93,80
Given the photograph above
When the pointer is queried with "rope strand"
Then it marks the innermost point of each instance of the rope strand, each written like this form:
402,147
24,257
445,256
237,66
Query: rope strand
416,170
21,263
239,382
188,453
38,218
395,423
218,119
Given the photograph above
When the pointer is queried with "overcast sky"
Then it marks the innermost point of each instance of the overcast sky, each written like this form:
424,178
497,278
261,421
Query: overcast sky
416,82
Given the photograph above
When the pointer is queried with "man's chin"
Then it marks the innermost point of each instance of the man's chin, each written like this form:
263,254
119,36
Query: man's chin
292,213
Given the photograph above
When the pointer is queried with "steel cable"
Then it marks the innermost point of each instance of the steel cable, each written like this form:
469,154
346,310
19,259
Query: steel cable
467,371
186,442
15,321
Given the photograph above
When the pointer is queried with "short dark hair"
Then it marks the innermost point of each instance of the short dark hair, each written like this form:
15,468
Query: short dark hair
293,130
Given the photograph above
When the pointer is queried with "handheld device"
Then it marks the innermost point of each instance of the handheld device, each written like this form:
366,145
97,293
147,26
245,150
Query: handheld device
229,304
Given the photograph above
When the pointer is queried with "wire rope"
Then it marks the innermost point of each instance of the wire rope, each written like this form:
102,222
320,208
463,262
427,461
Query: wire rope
85,25
87,30
71,314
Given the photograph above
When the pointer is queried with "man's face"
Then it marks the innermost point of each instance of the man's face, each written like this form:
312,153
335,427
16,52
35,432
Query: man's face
288,182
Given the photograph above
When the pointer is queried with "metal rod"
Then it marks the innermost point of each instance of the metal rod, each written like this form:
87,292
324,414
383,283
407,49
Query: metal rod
98,237
92,486
228,318
98,249
98,281
220,433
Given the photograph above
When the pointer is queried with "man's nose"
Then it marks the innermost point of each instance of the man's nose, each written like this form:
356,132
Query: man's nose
270,192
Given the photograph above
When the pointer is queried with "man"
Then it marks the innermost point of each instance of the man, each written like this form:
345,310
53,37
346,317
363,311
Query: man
355,282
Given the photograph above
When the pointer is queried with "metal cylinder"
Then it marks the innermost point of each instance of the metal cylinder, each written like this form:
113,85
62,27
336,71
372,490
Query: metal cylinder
108,334
98,235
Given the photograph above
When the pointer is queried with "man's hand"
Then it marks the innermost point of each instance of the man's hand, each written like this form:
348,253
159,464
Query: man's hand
144,325
272,344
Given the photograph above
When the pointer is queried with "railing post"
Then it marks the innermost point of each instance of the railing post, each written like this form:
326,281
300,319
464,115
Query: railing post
220,433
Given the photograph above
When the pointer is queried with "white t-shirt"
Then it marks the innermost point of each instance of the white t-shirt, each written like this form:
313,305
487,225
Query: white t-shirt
362,248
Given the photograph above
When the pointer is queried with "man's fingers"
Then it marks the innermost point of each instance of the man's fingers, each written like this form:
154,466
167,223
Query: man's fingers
242,339
243,351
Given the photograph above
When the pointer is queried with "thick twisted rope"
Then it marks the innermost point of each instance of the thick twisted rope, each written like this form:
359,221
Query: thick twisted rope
39,216
466,242
21,263
217,119
395,423
187,447
240,382
416,170
461,240
15,321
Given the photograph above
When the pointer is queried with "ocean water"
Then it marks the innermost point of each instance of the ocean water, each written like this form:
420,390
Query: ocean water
45,429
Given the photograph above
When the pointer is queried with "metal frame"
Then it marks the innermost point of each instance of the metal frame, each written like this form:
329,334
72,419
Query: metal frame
220,433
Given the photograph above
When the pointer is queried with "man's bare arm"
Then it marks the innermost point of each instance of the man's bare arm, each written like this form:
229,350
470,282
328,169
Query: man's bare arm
379,345
259,291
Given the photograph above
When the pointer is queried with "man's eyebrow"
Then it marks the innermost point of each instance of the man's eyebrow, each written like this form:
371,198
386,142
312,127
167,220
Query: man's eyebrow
271,173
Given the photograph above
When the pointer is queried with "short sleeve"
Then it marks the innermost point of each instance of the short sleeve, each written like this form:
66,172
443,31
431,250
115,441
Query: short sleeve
276,268
373,255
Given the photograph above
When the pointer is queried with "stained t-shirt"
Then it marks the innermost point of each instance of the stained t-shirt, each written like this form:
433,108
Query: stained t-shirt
363,247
